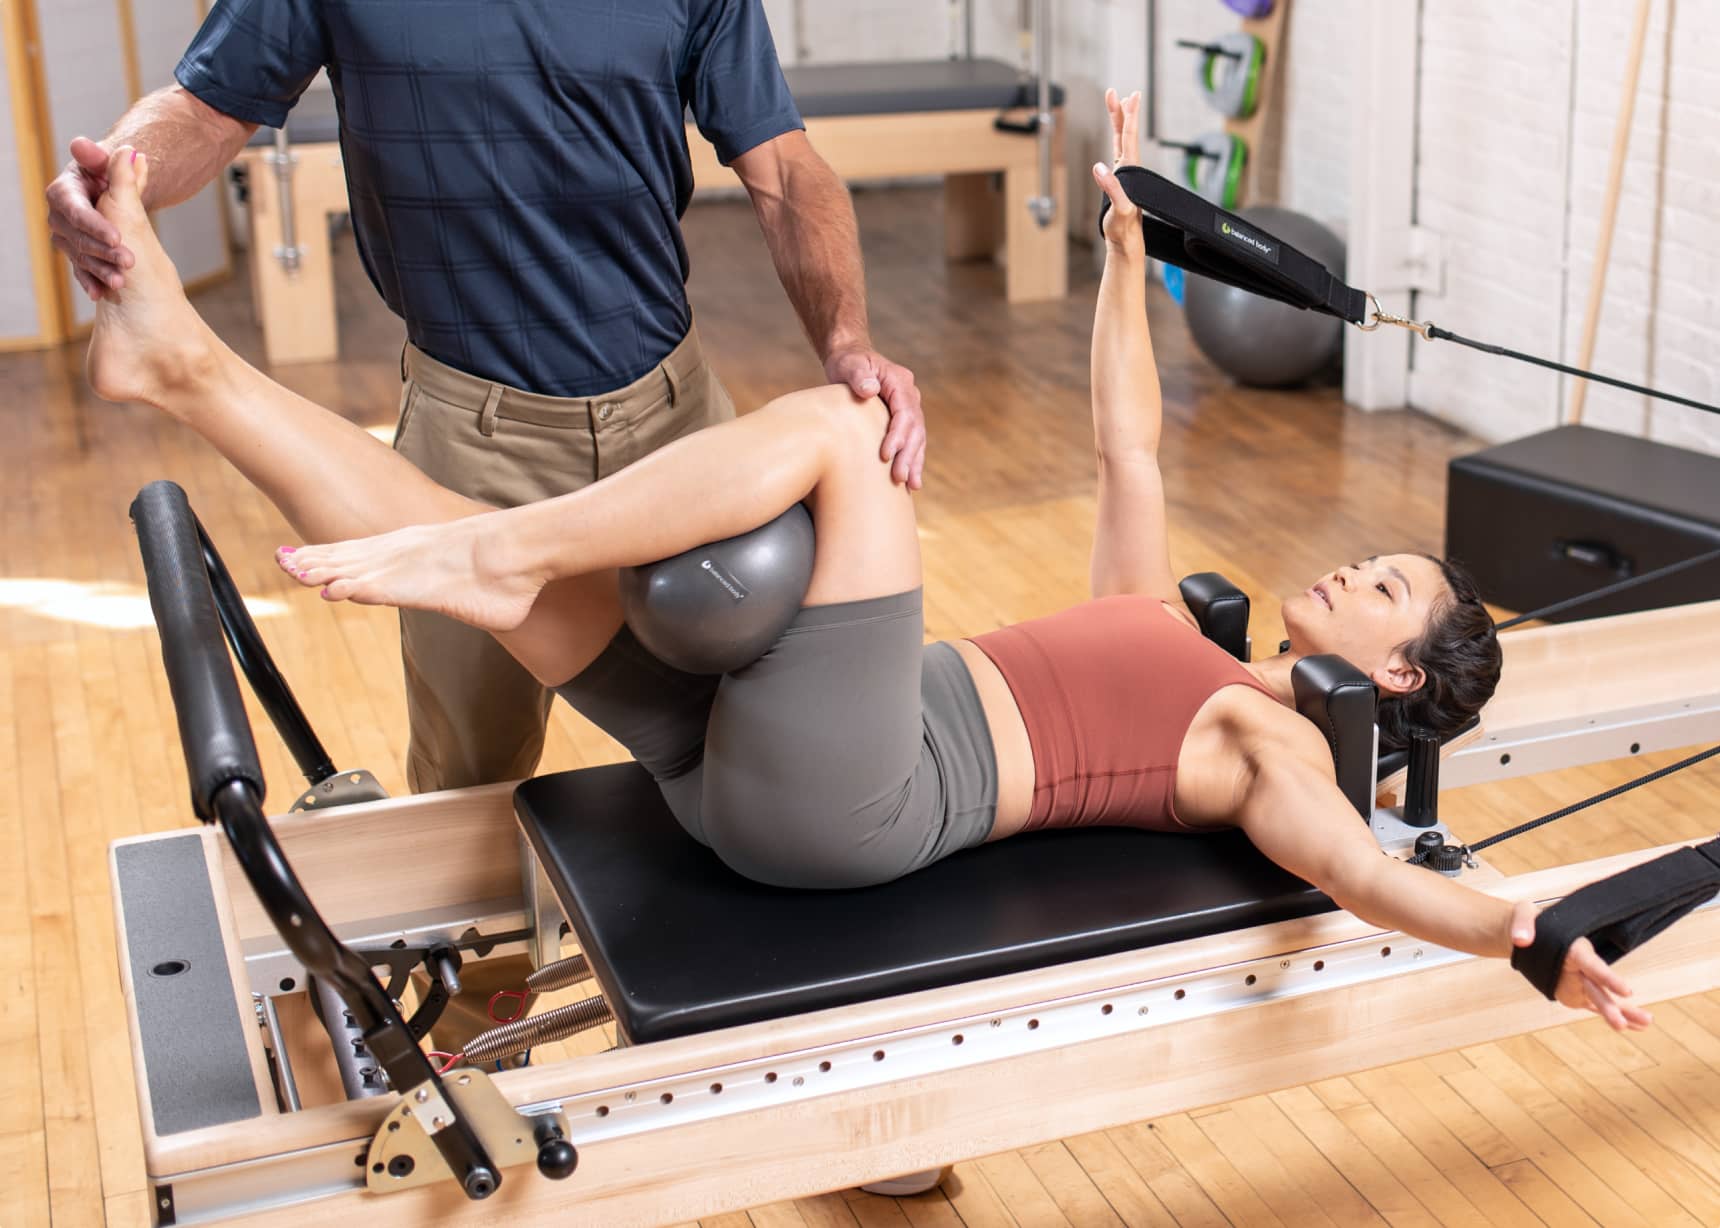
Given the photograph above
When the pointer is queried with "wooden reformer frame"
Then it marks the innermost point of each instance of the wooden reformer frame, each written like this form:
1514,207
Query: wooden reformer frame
683,1128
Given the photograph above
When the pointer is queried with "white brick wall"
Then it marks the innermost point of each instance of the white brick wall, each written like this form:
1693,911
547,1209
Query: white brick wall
1307,148
1518,104
191,232
85,77
1516,108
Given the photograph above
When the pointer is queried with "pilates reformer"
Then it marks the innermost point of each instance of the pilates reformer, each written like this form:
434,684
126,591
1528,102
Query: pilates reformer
992,131
1023,991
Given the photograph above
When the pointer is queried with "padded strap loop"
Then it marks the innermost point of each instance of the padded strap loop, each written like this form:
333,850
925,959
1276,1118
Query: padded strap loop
1620,913
213,730
1192,233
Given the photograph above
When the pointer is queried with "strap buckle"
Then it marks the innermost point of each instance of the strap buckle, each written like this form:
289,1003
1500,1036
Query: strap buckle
1382,316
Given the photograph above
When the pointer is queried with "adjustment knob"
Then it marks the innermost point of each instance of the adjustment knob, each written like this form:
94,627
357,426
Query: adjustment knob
1427,844
556,1157
1447,859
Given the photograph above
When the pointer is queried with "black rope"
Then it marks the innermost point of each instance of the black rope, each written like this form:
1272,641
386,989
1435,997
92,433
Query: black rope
1436,333
1596,800
1607,590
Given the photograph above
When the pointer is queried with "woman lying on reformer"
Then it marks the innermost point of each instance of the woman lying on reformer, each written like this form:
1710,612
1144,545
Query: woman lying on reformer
852,753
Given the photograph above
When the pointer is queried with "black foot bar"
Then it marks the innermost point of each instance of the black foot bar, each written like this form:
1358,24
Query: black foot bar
227,788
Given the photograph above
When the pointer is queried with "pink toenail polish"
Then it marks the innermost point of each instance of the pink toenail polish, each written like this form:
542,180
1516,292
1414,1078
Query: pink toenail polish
134,157
288,549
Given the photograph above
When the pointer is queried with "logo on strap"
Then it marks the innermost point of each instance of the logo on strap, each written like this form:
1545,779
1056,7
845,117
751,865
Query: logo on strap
1257,243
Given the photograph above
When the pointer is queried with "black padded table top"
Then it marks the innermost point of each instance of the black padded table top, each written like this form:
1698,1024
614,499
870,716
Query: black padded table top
681,945
823,89
313,119
900,86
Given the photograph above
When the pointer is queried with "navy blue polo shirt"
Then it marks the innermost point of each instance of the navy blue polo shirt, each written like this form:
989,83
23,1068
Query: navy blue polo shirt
517,168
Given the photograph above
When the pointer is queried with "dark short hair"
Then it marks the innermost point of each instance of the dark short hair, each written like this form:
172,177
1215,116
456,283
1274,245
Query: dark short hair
1458,655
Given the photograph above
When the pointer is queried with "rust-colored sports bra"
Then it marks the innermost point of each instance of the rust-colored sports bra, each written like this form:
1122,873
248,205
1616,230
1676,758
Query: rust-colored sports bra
1107,691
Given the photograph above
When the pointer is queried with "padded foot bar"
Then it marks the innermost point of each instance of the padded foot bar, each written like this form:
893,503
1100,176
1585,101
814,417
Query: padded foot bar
1620,913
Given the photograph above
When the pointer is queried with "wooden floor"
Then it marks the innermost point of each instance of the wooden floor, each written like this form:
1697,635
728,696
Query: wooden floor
1567,1127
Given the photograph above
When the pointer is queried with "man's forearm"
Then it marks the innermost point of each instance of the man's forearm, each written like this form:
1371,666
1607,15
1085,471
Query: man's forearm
186,141
808,223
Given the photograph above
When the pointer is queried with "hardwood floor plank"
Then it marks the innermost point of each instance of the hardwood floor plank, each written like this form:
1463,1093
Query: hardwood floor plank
1394,1202
1569,1170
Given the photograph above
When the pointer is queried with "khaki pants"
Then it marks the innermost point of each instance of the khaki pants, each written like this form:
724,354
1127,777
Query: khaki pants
476,716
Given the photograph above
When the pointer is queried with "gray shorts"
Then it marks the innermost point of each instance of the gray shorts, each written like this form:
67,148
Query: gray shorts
849,754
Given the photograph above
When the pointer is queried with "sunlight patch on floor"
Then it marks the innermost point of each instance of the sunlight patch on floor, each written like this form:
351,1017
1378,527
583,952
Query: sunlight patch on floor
98,603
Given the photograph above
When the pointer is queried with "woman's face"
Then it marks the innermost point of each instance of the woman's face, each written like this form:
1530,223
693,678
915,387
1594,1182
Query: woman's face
1365,613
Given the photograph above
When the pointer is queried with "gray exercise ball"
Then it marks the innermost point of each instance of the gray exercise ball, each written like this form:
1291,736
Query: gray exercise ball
720,606
1258,341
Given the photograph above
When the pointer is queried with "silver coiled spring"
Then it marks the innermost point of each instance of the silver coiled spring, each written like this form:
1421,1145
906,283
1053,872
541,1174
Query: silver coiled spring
552,1025
559,975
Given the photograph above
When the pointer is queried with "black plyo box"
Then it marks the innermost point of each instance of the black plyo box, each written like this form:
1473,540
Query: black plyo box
1569,510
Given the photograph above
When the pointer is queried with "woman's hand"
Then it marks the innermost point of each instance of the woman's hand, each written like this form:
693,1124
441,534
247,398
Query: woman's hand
1586,982
1122,228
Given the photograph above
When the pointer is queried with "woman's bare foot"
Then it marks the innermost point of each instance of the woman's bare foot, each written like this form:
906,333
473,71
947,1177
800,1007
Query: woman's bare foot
444,568
148,341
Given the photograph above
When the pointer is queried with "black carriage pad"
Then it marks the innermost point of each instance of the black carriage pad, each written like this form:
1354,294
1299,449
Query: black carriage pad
905,86
681,944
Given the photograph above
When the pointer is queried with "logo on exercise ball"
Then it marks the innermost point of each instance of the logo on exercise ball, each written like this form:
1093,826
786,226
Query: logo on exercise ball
1259,244
730,582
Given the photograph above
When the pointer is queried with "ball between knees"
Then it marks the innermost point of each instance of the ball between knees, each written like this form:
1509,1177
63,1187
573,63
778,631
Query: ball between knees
720,606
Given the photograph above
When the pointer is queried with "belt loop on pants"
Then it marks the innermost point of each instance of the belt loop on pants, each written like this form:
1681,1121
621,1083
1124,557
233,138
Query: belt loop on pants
487,418
674,383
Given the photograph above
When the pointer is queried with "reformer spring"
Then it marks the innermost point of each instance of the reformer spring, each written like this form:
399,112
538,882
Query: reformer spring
558,1024
559,975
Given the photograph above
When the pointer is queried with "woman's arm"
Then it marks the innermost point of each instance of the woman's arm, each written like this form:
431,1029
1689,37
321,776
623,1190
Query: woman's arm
1131,547
1294,813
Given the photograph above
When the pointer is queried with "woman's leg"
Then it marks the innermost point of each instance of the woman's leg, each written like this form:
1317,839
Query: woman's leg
329,478
819,446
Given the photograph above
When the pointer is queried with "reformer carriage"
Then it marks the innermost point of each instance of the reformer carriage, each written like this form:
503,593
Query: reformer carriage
781,1043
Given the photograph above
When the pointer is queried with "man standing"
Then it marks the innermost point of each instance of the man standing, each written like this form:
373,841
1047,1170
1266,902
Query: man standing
517,173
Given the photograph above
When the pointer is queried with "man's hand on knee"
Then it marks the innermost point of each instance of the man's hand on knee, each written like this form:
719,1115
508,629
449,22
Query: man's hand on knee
869,374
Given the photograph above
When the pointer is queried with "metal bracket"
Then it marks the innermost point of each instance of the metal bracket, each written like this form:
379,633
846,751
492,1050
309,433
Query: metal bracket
1397,837
403,1151
543,909
165,1211
281,159
341,789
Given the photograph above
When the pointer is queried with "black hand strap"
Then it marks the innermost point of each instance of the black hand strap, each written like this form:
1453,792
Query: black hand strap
1620,913
1192,233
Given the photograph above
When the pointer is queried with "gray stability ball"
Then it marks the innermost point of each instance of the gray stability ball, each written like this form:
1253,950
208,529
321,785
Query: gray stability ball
716,608
1258,341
